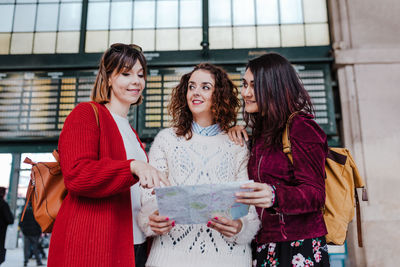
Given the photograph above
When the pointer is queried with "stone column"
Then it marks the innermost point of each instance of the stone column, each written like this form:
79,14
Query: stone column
366,44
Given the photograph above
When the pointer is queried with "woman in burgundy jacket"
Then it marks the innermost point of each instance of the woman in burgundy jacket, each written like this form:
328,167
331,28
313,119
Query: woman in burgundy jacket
94,224
289,197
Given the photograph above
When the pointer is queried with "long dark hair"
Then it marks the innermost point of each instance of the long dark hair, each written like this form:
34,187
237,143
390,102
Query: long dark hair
279,92
225,106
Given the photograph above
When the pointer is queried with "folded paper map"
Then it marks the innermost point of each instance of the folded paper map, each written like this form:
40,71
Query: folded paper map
197,204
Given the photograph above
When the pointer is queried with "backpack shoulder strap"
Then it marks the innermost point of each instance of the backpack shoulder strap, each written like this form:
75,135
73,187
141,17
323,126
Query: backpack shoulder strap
287,148
358,218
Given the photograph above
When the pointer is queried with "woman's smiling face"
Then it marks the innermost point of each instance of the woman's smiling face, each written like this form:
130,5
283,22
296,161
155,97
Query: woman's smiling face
247,92
128,85
201,87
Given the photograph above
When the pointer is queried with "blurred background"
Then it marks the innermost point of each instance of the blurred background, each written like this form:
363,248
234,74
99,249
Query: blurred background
347,53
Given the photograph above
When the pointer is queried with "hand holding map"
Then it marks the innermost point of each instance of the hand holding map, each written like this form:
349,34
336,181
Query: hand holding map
197,204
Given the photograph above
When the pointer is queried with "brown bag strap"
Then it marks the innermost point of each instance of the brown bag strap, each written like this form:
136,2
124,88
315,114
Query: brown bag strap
96,112
29,161
28,198
56,155
30,187
287,148
358,216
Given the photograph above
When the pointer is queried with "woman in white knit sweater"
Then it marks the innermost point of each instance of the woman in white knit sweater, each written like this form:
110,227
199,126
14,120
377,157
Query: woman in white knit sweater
197,150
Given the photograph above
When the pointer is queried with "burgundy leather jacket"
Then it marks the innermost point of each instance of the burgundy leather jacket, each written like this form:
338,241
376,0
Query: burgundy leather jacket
300,187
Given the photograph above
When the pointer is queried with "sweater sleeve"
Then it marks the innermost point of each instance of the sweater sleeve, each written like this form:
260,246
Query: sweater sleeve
158,159
149,206
84,173
250,222
309,148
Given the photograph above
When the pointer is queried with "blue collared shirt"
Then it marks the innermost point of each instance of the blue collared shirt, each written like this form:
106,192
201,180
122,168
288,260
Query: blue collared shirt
206,131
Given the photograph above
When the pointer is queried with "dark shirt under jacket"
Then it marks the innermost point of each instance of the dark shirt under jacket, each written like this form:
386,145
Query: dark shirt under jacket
300,187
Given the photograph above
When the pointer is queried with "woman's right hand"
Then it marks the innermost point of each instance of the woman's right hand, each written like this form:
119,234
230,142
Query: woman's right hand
160,224
149,176
261,195
237,134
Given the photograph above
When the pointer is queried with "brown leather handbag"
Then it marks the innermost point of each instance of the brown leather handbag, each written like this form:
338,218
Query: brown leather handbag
46,190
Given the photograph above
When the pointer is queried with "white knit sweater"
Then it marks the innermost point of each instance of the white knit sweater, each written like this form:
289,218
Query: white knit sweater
200,160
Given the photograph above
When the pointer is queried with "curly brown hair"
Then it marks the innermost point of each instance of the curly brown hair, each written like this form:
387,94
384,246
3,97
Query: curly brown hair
225,101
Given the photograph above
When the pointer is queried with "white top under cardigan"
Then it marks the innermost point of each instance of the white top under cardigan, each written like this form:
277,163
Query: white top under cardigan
200,160
133,151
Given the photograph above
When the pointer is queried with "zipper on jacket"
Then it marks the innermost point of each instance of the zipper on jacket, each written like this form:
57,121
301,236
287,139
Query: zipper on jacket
259,180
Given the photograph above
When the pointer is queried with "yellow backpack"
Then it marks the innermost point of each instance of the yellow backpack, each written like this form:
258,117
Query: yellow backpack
342,181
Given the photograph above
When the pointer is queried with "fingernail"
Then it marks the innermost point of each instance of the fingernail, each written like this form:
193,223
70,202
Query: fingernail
173,223
216,218
167,219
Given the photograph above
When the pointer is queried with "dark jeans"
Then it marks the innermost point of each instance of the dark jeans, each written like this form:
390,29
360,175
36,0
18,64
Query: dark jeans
34,242
140,254
40,249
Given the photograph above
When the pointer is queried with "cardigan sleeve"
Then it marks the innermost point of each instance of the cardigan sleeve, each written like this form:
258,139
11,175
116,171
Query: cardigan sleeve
250,222
158,159
84,173
309,149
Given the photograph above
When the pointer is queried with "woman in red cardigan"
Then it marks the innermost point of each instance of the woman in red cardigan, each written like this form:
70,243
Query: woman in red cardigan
94,224
289,197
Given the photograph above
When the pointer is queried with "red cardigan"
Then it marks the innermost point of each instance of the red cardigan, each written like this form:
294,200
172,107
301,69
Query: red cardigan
94,224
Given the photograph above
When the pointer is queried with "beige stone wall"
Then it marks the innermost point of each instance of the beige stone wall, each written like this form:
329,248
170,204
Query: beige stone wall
366,42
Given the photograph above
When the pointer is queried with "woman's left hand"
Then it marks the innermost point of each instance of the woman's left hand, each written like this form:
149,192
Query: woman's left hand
225,226
261,196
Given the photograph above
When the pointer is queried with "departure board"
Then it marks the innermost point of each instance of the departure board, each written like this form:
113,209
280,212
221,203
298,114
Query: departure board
34,105
153,114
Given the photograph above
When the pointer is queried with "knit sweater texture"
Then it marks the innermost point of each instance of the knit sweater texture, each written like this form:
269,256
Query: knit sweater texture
94,224
200,160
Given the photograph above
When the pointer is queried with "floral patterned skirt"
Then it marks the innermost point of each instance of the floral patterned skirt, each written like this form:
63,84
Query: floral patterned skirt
304,253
